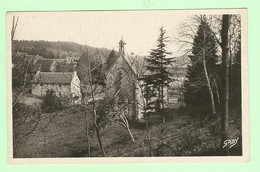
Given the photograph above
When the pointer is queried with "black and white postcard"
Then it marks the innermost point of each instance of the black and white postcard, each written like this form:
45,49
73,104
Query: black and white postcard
152,86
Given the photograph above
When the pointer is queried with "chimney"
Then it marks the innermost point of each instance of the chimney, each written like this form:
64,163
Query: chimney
74,66
38,72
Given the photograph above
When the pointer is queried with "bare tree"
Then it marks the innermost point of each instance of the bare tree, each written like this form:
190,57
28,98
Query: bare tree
206,73
227,39
140,69
94,109
146,117
93,93
120,118
87,133
226,30
234,33
14,26
187,35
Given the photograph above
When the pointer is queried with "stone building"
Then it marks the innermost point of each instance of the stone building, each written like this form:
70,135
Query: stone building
65,85
121,83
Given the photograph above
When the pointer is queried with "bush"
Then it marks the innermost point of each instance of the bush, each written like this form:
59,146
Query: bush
51,102
189,142
137,125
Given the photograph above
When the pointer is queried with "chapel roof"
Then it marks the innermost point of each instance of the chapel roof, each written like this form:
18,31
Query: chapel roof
112,59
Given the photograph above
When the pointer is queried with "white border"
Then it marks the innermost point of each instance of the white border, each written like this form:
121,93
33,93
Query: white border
87,160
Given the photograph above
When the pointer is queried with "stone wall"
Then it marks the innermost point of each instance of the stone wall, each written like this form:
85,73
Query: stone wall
61,90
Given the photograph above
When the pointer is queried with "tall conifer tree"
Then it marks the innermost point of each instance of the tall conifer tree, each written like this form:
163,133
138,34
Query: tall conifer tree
198,87
158,77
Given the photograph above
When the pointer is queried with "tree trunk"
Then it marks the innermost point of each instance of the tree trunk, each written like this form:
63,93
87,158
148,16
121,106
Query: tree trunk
217,92
14,25
99,140
95,112
148,135
225,96
44,143
213,109
146,122
230,74
162,101
131,135
87,134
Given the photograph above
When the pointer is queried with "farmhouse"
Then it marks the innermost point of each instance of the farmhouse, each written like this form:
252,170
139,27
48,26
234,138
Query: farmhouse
66,85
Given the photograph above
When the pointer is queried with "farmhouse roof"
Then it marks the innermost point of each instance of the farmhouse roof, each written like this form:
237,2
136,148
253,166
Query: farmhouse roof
33,58
60,61
66,67
73,57
45,64
53,78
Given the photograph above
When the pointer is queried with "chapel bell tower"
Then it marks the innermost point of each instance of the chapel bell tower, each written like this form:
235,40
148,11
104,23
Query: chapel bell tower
121,46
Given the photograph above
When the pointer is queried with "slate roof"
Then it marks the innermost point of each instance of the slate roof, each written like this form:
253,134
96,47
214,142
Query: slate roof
53,78
45,64
33,58
76,58
112,58
66,67
37,67
60,61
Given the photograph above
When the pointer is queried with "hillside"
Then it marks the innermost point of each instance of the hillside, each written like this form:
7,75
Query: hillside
58,49
61,134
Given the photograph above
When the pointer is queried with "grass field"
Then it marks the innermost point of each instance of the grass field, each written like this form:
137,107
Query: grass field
62,134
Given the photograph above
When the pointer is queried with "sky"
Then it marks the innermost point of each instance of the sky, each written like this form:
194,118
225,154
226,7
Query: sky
139,29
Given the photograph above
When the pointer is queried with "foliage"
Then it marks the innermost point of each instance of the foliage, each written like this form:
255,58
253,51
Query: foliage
25,120
51,102
22,71
196,91
49,49
22,74
158,76
91,62
235,84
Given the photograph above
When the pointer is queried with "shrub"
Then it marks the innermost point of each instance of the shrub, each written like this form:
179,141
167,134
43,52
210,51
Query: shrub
189,142
51,102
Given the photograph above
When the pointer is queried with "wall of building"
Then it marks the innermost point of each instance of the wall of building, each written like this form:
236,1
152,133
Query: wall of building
127,84
75,86
61,90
